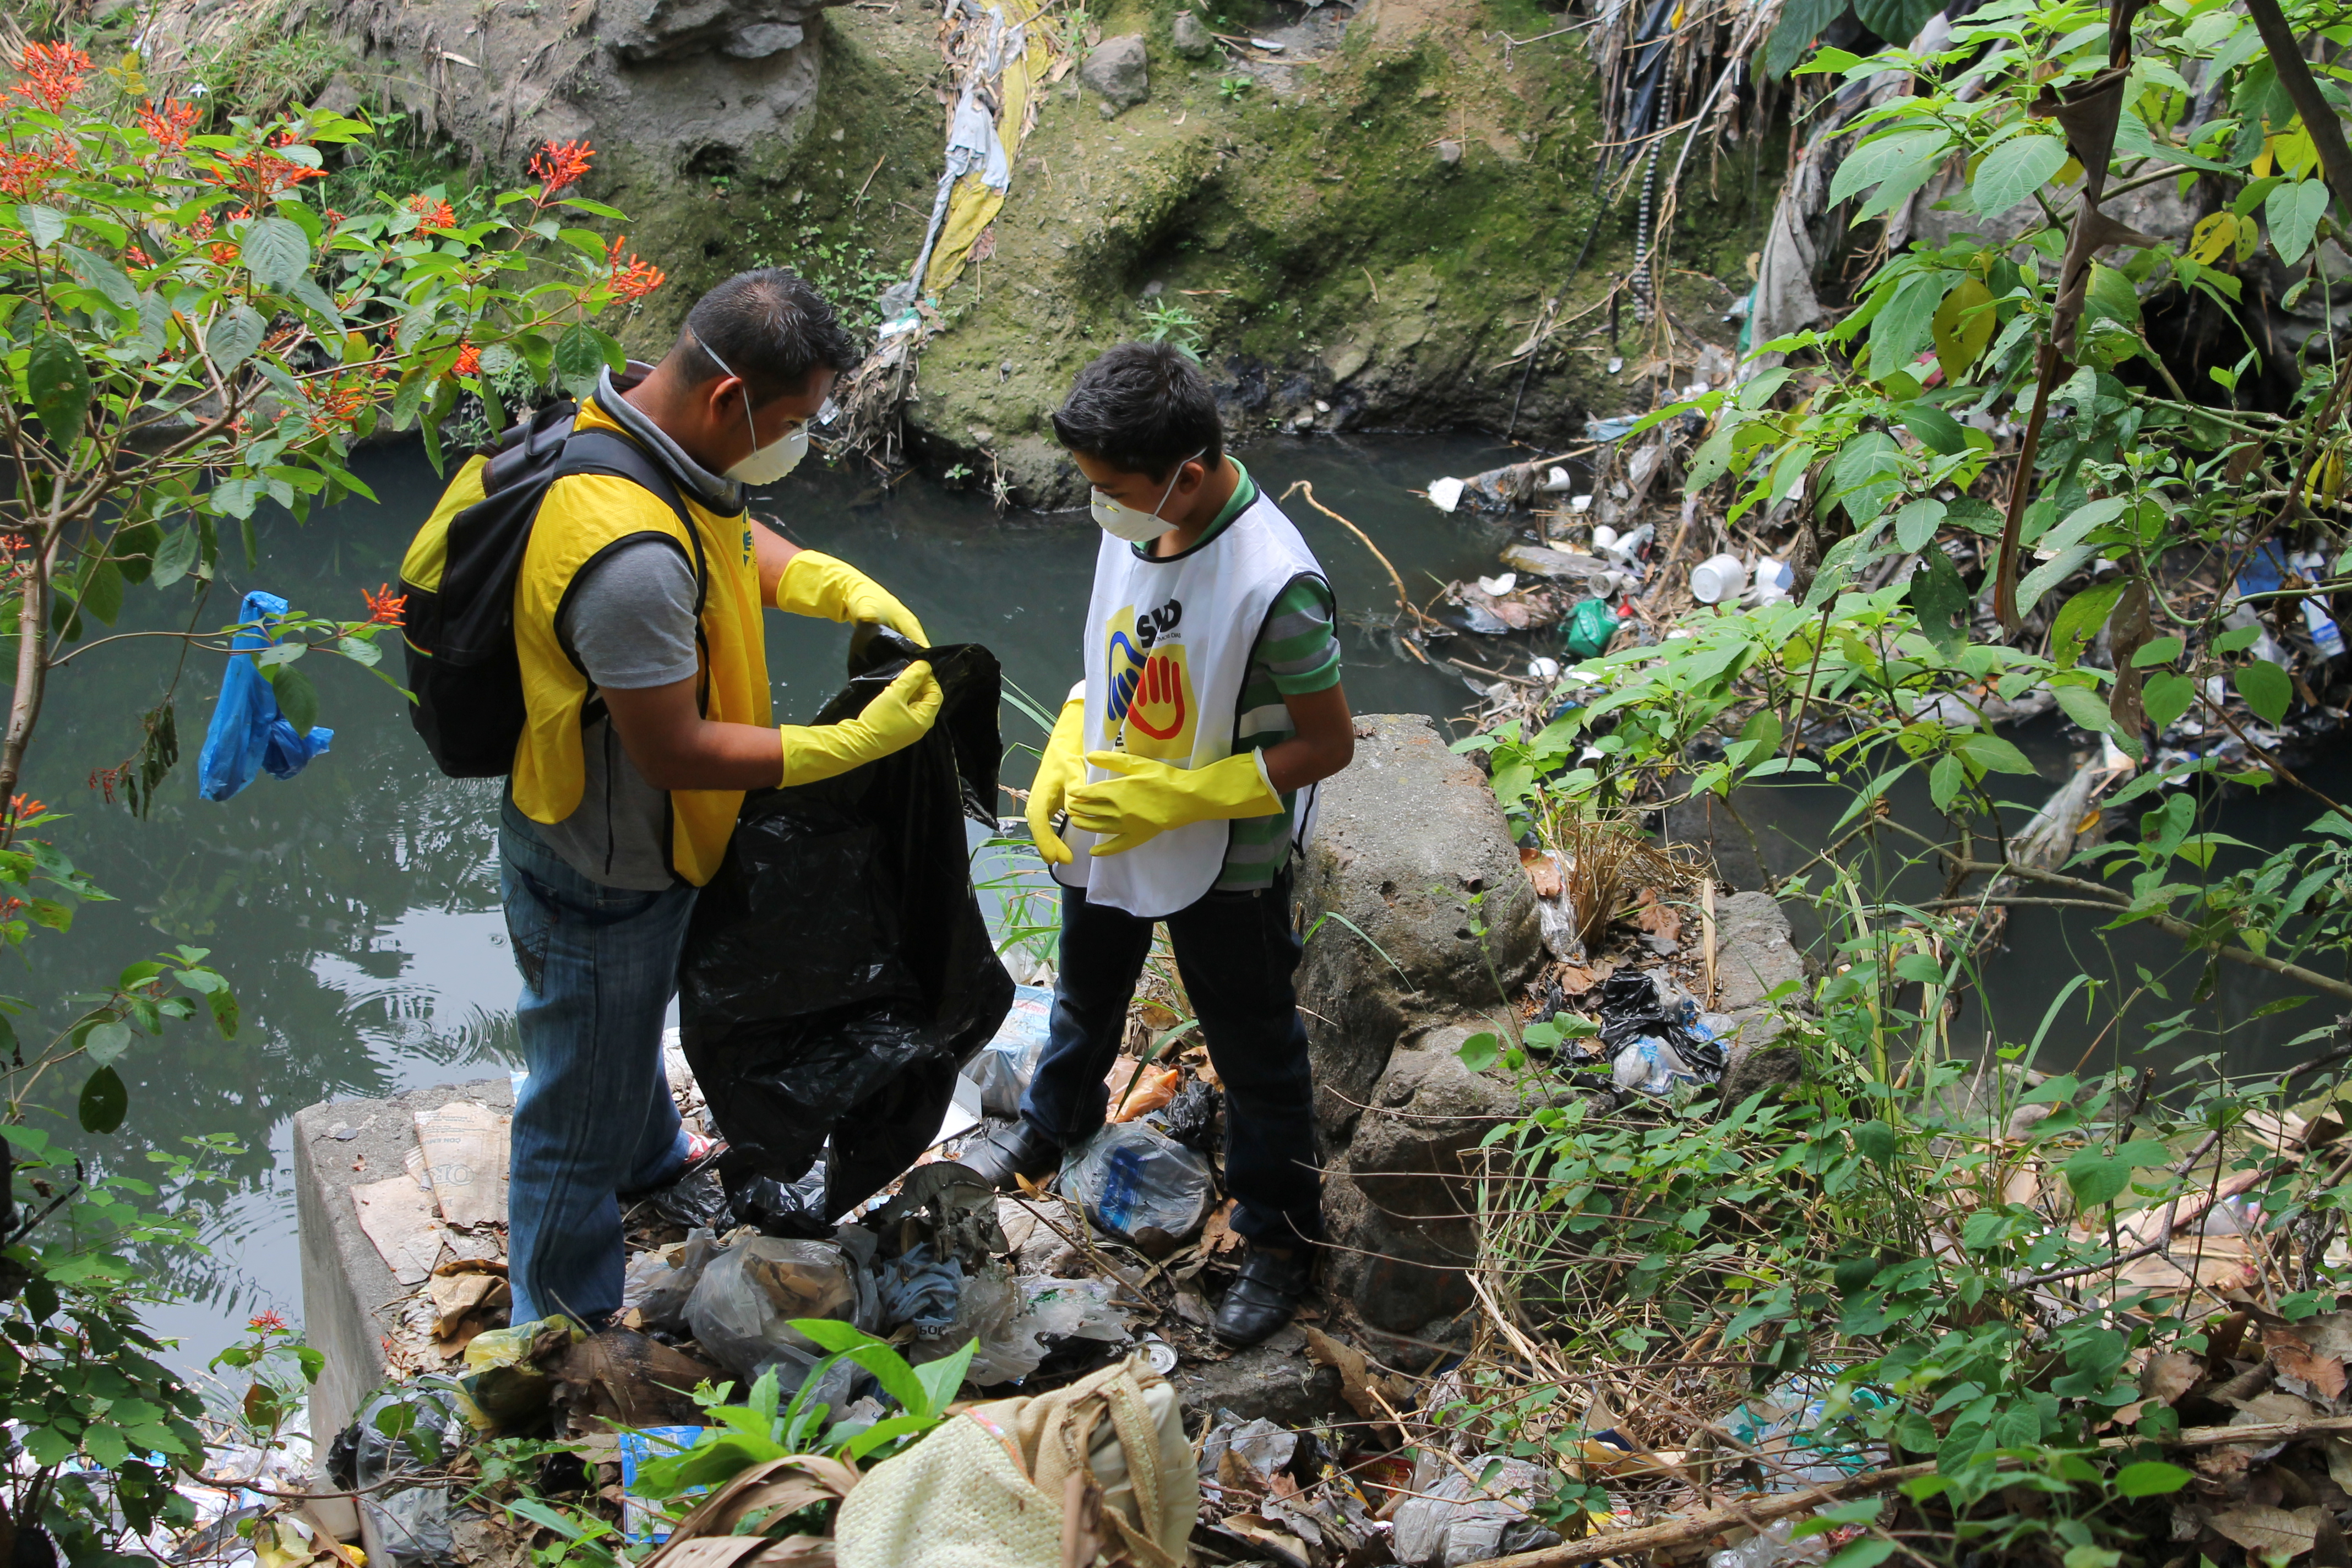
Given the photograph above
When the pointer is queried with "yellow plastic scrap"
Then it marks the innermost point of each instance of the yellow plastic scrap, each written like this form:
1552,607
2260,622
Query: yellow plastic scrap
973,204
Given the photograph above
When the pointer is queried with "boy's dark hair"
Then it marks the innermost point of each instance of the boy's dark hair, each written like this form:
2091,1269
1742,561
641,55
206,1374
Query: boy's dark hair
771,328
1143,408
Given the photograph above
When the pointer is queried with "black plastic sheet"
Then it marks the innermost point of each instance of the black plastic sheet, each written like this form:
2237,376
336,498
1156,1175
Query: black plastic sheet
1630,1008
837,970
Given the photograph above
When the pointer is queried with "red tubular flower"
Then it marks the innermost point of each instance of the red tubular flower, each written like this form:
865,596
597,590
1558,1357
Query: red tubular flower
470,360
53,74
169,126
384,606
635,279
261,176
268,1322
560,163
432,214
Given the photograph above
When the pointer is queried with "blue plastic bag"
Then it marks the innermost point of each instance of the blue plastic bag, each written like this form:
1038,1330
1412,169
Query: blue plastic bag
248,733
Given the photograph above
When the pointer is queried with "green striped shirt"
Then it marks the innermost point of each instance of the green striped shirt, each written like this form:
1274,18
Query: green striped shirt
1296,652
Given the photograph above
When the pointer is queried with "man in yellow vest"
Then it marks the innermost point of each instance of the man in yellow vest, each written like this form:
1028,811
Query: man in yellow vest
646,685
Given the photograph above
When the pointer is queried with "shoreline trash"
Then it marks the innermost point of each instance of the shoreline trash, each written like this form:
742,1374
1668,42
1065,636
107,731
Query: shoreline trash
1719,578
1140,1185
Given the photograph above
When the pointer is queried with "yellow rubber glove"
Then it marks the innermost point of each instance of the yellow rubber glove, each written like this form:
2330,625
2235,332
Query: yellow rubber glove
1150,798
818,584
1061,768
898,718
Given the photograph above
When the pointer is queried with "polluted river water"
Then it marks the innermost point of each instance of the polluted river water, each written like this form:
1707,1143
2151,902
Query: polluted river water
354,908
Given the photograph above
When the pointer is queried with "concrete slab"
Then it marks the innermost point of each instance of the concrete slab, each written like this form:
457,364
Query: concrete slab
350,1296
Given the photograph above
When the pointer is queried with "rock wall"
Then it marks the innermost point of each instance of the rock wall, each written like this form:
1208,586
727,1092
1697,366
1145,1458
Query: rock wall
1421,927
1362,227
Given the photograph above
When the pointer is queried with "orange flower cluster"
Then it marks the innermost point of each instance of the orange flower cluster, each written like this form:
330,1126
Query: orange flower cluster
261,176
432,214
26,174
470,360
137,257
637,279
336,407
169,126
52,72
21,807
384,606
267,1323
560,163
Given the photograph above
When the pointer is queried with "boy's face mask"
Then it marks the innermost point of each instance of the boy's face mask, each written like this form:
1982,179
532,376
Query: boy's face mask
1121,520
767,464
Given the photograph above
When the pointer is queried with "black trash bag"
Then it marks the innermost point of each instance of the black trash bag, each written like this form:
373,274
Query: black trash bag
1190,1119
837,973
1630,1008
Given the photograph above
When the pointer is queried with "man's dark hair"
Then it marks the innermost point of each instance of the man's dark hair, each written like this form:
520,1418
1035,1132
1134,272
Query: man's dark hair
771,328
1143,408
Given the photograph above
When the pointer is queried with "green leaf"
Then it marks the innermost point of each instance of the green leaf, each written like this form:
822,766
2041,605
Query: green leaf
2157,651
1992,753
2014,170
1896,21
2080,620
1944,781
2110,294
1942,598
2051,573
2267,688
100,590
275,251
235,333
1937,430
174,556
579,361
104,1102
1962,326
296,698
106,1041
1908,324
46,226
1800,22
101,275
1874,1141
2089,710
2166,697
59,384
105,1444
2237,639
1915,525
1479,1051
2293,213
1889,155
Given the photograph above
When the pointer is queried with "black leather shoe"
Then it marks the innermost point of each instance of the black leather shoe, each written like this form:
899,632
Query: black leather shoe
1011,1153
1268,1291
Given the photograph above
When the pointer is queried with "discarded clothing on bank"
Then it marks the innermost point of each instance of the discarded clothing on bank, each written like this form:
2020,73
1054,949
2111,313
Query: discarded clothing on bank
838,972
248,732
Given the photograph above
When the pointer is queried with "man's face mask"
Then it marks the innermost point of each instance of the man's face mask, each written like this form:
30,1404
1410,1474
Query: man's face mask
767,464
1123,521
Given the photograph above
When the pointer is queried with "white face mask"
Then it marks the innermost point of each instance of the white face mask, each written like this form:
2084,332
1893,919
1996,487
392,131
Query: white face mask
1123,521
767,464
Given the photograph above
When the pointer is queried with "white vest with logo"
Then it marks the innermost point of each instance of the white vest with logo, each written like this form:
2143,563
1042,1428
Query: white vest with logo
1167,648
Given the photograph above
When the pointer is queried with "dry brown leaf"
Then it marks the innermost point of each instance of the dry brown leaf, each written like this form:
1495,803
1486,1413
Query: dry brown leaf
1575,981
2276,1533
1356,1384
2295,1358
1219,1236
2339,1461
2223,1463
1253,1527
1656,916
2167,1376
1543,870
2329,1333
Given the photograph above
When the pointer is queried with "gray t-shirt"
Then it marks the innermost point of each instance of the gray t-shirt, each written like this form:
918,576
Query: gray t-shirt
629,621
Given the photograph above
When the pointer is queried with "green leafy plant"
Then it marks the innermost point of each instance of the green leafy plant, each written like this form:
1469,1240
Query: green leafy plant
1172,321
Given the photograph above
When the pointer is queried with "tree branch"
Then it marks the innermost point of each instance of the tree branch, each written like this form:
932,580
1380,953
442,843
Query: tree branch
2303,89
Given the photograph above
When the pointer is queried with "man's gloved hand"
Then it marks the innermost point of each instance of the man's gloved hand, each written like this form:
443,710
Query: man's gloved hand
898,718
1150,798
831,590
1059,769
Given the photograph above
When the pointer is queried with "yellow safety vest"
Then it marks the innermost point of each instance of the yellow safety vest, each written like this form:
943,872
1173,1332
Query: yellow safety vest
581,518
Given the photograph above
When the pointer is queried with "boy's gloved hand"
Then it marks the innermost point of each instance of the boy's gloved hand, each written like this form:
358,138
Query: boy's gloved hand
832,590
898,718
1060,768
1150,798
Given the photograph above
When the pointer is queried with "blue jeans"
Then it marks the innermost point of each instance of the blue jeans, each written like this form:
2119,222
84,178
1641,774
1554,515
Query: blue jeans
594,1117
1236,953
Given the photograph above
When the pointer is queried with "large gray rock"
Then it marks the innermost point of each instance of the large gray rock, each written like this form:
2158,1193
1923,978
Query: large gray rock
1411,857
1753,952
1190,36
1400,1203
1273,1379
1119,70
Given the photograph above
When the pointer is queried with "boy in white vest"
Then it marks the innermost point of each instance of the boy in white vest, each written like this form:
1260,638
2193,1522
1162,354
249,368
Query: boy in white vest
1185,765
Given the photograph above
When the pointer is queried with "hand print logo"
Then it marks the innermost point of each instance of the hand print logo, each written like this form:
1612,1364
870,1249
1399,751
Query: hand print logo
1151,704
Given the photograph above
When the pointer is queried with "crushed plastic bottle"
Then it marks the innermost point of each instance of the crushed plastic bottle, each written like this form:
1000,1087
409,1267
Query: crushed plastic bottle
1783,1429
1006,1065
1773,1548
741,1308
1139,1184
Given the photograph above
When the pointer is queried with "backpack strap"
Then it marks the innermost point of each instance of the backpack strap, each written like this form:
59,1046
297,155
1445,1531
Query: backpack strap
610,452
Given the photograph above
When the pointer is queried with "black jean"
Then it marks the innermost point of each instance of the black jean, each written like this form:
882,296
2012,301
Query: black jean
1236,954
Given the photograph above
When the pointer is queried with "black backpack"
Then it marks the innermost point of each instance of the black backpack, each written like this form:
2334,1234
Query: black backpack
459,629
